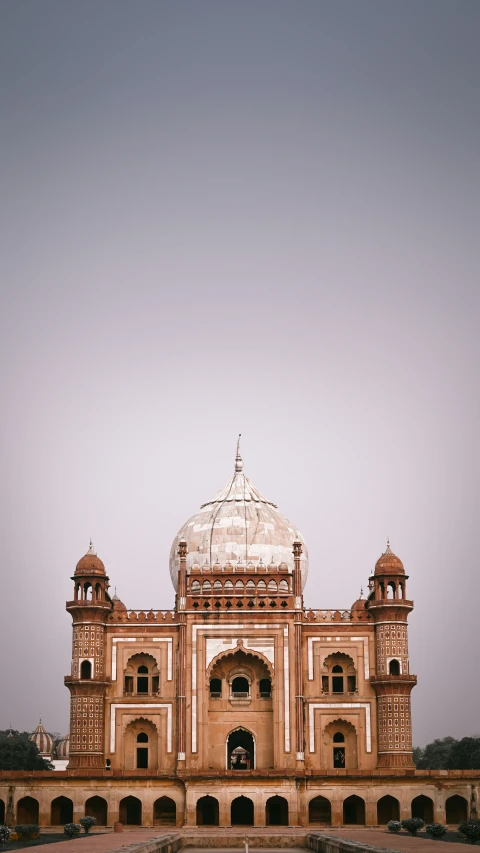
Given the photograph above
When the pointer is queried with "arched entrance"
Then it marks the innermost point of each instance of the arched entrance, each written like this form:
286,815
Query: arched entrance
207,811
97,807
61,811
388,808
320,811
276,811
164,812
130,811
354,810
456,809
422,806
27,810
240,750
241,813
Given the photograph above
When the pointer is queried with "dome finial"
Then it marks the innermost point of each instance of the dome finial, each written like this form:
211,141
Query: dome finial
388,549
91,549
238,458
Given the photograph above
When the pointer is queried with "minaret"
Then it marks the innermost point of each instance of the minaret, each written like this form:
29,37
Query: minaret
87,682
392,681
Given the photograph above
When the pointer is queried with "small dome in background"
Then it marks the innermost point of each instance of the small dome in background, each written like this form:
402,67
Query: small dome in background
90,564
389,563
63,747
43,740
117,604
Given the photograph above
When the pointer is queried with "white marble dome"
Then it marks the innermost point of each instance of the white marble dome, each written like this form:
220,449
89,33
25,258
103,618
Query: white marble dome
239,525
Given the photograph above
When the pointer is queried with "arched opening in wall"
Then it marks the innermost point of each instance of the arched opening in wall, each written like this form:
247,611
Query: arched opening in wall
240,750
340,746
240,687
164,812
388,808
391,590
216,688
400,590
87,592
130,811
456,809
85,670
140,745
422,806
61,811
207,811
338,749
142,751
276,811
141,676
320,811
98,592
2,813
78,591
265,688
381,587
27,810
339,674
354,810
97,807
394,667
241,812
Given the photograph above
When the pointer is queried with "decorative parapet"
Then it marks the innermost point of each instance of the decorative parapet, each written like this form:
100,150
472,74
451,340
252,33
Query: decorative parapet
336,616
154,616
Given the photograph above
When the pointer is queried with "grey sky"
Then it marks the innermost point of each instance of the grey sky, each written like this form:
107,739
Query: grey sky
239,217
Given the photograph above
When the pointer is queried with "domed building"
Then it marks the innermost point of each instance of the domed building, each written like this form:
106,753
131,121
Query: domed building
240,705
238,526
43,741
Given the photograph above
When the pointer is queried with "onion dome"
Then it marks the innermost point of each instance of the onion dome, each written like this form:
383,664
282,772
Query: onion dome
63,747
90,564
360,603
43,740
238,524
389,563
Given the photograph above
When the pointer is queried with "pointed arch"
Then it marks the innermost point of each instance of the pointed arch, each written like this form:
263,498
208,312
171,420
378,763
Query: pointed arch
239,648
241,737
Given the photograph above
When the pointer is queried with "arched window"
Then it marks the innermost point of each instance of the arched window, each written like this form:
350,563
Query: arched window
265,688
217,586
239,586
215,688
391,590
85,670
142,751
338,751
337,679
228,587
283,585
207,586
272,586
250,586
195,587
339,674
240,687
142,676
394,667
87,591
261,586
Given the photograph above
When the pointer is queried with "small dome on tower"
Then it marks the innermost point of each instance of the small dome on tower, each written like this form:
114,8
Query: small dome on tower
118,605
63,747
43,740
90,563
389,563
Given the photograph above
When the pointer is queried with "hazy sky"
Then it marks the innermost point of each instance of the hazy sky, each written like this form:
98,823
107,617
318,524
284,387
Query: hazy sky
255,217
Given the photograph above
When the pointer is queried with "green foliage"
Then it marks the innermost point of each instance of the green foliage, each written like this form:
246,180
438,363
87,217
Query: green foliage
26,831
435,830
72,830
87,823
394,826
413,824
470,829
18,752
4,835
449,754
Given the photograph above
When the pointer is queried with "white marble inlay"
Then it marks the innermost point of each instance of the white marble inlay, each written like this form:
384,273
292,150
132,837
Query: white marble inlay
148,705
312,640
265,645
286,689
145,639
339,706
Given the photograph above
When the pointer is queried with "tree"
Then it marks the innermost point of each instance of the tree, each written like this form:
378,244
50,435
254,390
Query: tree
18,752
449,754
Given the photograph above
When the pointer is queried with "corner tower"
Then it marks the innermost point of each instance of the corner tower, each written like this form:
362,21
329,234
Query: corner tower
392,681
87,682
